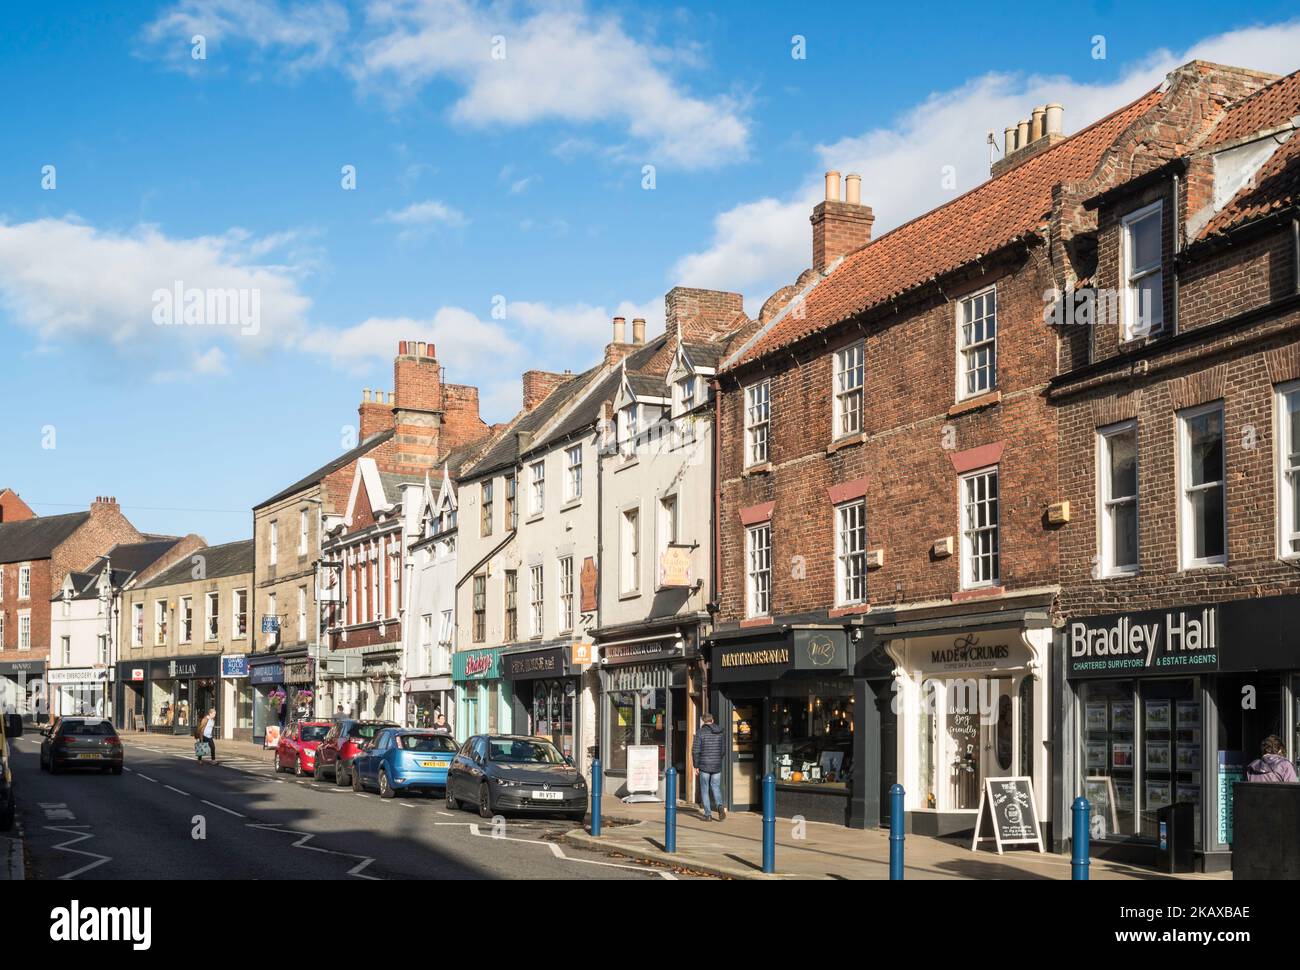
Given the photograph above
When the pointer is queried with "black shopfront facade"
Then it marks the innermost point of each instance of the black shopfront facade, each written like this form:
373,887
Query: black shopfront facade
167,696
546,694
811,705
1169,706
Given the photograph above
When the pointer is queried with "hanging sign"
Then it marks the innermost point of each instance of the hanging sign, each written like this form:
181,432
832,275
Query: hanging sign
1008,803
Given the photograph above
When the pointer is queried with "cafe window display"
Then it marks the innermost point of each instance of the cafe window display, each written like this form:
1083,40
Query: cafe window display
812,733
636,717
553,712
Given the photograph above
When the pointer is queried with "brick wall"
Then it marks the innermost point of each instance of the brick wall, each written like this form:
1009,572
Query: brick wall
701,314
538,384
39,605
838,228
13,508
461,424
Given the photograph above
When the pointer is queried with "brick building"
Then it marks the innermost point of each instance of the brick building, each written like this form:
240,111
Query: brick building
892,498
36,553
1179,442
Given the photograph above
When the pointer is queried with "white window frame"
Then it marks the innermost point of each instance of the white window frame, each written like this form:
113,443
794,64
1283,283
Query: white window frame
848,389
629,549
969,349
65,651
1186,520
137,624
1288,473
302,532
103,648
564,582
573,473
236,613
537,488
536,600
758,423
24,582
670,521
685,402
302,612
185,619
627,430
275,542
1108,503
211,617
24,629
159,623
969,580
1130,275
758,570
851,553
442,649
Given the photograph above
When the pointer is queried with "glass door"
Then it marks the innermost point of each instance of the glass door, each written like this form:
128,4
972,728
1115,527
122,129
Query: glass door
746,750
997,728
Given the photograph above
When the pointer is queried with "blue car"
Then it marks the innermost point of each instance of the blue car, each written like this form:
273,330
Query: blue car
398,760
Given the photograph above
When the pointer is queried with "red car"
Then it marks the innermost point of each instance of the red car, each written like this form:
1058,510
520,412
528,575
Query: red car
341,744
296,751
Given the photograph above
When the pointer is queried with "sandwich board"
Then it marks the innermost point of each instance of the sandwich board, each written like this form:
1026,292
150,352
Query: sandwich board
1010,807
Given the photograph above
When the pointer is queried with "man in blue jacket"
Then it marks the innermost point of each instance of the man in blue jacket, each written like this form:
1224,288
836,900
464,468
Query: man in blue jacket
708,753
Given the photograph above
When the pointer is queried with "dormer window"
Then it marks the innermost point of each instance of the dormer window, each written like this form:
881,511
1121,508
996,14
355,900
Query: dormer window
627,429
685,393
1141,251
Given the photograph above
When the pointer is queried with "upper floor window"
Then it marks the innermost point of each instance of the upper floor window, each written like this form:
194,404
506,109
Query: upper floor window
758,570
848,390
512,605
851,553
1143,275
275,542
302,532
24,582
187,619
630,543
1288,464
684,391
160,623
512,511
627,429
537,594
537,488
566,594
302,612
758,415
239,618
979,533
669,525
24,629
978,340
485,507
137,624
212,615
479,631
1201,481
573,473
1117,484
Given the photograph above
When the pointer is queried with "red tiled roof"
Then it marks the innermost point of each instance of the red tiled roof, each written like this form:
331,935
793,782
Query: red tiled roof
944,239
1266,108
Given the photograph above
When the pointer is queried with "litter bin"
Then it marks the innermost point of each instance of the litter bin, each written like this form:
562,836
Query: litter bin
1175,838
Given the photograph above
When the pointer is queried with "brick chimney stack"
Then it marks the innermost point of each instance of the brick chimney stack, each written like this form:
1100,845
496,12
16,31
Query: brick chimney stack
840,227
417,407
619,348
701,314
538,384
374,416
104,503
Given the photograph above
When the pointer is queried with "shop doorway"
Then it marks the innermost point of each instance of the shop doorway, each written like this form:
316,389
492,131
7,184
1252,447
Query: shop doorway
746,755
997,729
888,733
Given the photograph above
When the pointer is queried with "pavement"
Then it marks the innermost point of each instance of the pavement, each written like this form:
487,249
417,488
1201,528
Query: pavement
815,850
169,817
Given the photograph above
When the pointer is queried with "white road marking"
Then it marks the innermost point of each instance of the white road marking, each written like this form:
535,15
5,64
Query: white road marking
308,836
558,852
57,811
228,811
407,805
178,791
80,837
146,777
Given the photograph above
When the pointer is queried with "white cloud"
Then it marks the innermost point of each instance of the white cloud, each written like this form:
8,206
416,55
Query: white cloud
424,214
66,281
557,62
761,245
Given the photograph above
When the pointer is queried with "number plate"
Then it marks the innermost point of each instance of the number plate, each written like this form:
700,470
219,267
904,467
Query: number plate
88,757
434,764
549,796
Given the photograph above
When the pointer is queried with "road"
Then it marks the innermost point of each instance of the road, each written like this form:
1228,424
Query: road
168,817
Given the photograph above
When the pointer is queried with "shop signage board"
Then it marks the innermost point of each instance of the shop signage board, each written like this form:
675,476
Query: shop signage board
301,671
642,772
1008,804
675,567
644,651
580,653
534,665
77,675
234,665
822,651
1171,641
588,584
266,674
270,624
476,664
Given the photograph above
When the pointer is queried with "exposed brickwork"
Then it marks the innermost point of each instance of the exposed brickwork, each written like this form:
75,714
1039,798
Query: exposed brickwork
538,384
13,508
702,314
838,228
374,415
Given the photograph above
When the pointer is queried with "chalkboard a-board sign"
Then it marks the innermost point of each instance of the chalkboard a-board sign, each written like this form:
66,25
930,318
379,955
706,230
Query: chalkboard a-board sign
1009,805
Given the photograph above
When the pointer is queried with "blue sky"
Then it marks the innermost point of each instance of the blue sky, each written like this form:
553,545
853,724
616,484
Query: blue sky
499,154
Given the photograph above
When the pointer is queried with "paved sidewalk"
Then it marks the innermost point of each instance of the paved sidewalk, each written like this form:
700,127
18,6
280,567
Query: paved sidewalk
734,849
226,750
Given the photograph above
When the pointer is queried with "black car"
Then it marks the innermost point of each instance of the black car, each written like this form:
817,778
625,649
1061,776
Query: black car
81,742
11,728
514,773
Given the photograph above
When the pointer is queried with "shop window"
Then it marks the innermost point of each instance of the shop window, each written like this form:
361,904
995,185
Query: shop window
1117,482
1202,479
811,729
979,537
1026,727
978,340
637,717
553,708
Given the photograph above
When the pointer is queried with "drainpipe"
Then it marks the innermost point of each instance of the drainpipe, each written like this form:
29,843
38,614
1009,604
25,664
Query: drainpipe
1295,248
1178,248
715,581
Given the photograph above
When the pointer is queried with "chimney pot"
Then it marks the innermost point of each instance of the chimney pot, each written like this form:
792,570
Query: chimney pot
638,330
620,330
1009,134
853,189
1036,130
401,348
365,395
1022,133
1055,117
832,186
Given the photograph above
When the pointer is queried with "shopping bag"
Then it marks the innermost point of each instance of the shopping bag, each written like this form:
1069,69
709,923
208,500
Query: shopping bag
202,749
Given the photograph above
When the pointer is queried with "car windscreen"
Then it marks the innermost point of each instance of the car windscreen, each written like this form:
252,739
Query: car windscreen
315,732
426,742
514,751
366,731
87,727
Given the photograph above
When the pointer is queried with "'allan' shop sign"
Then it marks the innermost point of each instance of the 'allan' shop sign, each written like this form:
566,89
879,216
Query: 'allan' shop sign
1161,641
1008,803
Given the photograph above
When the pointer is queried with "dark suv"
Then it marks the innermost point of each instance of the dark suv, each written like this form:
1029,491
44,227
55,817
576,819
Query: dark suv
335,753
11,728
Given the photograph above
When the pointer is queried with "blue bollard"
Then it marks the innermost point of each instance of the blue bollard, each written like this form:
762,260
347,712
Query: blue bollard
670,809
1079,843
769,823
596,787
896,832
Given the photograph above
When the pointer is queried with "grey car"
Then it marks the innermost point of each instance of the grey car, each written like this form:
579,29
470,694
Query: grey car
511,773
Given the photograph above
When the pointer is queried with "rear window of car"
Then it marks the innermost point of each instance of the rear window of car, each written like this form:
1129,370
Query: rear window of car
87,727
366,731
315,732
425,742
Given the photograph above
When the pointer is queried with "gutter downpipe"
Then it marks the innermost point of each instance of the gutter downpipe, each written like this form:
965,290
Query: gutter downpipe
1178,248
1295,240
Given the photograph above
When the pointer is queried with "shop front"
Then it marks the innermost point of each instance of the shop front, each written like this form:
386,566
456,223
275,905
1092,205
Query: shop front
546,692
483,697
646,701
237,709
796,702
266,683
167,696
1168,707
299,688
426,698
973,705
81,690
22,689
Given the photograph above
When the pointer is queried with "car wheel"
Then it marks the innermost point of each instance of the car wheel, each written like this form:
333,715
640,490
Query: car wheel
54,769
357,786
340,778
485,801
117,770
276,766
44,765
452,804
385,789
297,766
